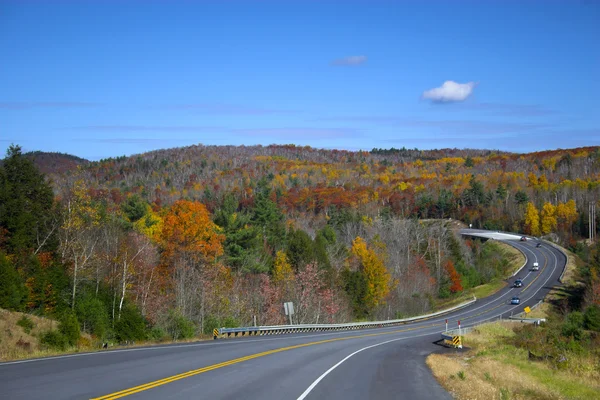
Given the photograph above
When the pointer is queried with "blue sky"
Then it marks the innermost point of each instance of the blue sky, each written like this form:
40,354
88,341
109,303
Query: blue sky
107,78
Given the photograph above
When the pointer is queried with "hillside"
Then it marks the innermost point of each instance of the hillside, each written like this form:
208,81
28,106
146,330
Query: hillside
55,163
176,242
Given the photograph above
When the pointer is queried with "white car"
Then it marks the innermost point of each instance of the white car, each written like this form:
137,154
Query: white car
536,267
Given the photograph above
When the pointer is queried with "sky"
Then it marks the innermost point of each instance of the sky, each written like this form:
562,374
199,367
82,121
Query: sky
101,79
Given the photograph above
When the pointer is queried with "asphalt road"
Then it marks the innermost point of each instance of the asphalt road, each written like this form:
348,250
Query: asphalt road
385,363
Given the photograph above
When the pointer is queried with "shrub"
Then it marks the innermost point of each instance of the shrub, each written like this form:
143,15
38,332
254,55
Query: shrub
592,318
54,340
131,325
157,334
179,327
92,315
69,328
26,324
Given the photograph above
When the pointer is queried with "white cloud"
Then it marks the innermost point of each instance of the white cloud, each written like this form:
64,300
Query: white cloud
350,61
450,91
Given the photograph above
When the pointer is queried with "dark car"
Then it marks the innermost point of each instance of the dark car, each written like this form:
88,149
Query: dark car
518,283
538,245
523,238
515,300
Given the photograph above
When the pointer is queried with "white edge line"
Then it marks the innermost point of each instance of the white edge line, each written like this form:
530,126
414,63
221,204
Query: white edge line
320,378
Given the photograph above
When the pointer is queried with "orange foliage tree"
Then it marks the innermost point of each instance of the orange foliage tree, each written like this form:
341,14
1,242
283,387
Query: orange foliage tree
188,228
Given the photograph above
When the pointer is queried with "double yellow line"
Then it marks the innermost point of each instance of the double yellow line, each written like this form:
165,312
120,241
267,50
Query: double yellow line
199,371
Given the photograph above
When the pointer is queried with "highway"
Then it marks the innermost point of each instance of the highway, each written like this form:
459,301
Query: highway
384,363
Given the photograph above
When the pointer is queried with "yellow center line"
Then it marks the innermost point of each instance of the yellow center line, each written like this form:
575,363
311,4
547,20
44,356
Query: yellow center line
538,275
164,381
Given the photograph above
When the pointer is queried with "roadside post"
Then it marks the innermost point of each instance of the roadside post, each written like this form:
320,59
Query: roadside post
446,325
289,310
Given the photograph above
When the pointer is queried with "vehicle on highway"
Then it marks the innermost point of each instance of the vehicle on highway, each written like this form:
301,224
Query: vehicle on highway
518,283
538,245
523,238
515,300
536,267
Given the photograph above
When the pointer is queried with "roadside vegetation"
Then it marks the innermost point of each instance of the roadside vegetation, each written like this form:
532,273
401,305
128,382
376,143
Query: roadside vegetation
559,359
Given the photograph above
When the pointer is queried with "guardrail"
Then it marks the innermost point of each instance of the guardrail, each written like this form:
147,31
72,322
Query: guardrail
285,329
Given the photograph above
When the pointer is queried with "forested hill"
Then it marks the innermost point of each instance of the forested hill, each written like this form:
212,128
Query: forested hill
486,188
55,163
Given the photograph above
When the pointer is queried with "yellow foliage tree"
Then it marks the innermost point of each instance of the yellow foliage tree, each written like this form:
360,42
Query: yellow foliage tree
377,276
533,180
548,218
150,225
282,271
566,213
532,220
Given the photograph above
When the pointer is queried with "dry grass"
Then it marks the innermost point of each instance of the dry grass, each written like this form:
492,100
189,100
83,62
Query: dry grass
493,369
15,343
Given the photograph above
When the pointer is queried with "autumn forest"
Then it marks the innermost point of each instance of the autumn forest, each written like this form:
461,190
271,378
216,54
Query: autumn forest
173,243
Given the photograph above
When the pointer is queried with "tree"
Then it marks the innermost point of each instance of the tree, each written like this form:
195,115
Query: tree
267,217
455,279
532,220
548,215
26,205
78,233
300,249
12,289
521,197
134,208
187,229
377,277
190,242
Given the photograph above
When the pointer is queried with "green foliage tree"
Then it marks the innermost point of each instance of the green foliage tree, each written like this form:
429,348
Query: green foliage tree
134,208
131,325
356,287
300,249
69,328
179,327
12,288
26,203
93,315
241,237
592,318
268,218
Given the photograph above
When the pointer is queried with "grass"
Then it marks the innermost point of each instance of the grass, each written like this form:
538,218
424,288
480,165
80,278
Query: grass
514,256
494,369
18,342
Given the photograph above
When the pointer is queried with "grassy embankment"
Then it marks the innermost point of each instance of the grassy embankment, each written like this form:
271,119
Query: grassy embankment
512,256
498,364
23,340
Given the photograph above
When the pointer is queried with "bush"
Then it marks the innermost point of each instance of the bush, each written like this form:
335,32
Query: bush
179,327
69,328
93,316
54,340
157,334
26,324
592,318
131,325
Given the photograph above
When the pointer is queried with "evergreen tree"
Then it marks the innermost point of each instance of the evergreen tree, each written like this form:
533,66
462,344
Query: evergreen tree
25,204
12,289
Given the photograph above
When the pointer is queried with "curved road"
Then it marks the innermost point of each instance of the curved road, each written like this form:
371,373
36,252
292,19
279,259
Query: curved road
385,363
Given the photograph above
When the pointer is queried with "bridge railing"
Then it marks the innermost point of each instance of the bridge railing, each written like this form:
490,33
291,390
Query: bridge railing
285,329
